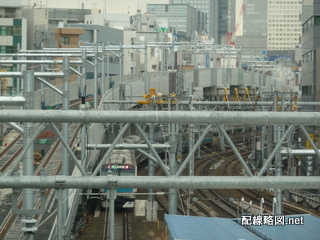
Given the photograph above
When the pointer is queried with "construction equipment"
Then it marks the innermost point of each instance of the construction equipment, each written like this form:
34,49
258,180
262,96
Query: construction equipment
231,35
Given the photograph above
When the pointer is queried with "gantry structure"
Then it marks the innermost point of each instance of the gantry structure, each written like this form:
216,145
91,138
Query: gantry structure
122,109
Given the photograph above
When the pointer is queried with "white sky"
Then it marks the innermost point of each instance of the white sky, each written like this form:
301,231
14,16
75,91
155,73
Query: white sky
112,6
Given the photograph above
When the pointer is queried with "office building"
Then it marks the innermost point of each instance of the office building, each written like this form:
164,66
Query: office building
310,43
284,24
183,20
67,16
37,25
13,36
13,28
252,17
210,8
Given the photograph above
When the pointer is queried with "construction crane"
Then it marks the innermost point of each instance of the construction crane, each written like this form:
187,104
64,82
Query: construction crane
231,35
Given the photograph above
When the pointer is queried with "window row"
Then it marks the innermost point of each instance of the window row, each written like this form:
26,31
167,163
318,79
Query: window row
282,25
280,48
283,30
313,21
284,34
8,49
10,30
273,43
284,39
309,56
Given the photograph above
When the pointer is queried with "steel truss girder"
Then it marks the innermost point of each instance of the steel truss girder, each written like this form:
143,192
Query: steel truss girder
201,117
146,182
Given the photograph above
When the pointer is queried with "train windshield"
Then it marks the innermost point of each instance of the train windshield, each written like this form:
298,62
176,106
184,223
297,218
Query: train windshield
118,170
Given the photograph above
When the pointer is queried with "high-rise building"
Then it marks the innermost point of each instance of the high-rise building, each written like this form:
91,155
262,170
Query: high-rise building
310,44
284,24
13,36
221,16
37,24
210,8
183,19
251,18
13,27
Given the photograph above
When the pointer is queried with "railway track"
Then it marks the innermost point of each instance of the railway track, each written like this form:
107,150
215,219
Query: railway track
10,153
233,168
121,231
11,225
212,202
202,202
49,165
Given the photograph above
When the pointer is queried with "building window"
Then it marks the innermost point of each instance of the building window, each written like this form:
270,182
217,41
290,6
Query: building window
9,12
6,30
8,49
317,20
16,31
65,40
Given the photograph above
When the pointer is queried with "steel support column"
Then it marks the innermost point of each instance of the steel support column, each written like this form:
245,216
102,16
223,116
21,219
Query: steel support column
65,136
28,167
60,215
173,195
305,132
83,102
275,150
103,69
146,84
95,95
150,162
111,209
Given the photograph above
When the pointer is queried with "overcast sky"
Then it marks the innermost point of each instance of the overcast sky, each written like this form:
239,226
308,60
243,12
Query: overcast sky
112,6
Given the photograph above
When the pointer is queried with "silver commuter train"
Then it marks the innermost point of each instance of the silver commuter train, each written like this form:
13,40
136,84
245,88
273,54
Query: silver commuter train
121,162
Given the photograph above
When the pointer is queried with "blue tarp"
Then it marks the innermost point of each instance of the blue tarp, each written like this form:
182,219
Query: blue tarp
207,228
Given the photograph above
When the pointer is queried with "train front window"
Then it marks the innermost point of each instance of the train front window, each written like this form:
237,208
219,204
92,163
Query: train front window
118,170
